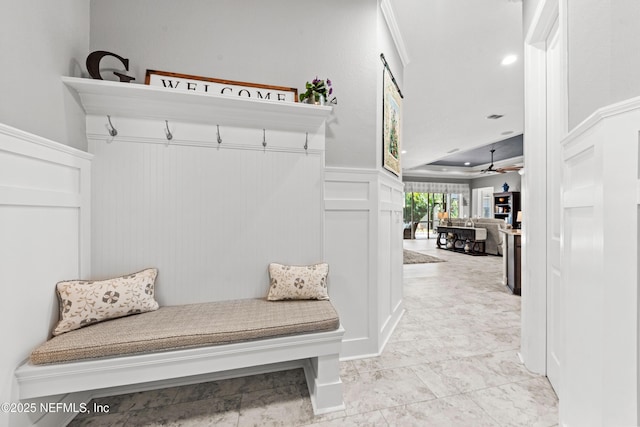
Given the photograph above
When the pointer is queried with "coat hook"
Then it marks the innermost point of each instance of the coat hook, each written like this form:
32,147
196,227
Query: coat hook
306,141
219,138
112,131
167,132
264,138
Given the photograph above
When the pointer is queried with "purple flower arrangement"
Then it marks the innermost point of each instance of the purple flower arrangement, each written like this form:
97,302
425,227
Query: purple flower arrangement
318,92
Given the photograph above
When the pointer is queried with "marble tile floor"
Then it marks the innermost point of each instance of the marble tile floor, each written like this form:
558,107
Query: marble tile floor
452,361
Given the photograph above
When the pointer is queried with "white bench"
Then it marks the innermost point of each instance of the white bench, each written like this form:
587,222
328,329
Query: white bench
81,380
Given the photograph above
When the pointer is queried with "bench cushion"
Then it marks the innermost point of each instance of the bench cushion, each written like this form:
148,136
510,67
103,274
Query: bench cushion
192,325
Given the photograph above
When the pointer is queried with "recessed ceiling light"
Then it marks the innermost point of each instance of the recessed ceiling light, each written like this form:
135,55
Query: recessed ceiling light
509,59
404,151
467,163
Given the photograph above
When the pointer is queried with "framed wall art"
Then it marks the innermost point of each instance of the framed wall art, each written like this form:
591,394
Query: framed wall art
391,122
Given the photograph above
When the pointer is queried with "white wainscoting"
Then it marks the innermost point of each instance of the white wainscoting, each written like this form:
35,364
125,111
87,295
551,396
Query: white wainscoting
600,376
363,245
390,229
209,216
44,238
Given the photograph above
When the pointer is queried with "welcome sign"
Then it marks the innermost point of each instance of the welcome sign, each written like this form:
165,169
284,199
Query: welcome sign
207,85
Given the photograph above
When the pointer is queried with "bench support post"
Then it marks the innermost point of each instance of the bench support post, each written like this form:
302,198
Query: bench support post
325,386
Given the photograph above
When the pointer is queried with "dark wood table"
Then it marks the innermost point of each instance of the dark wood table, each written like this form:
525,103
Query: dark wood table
469,240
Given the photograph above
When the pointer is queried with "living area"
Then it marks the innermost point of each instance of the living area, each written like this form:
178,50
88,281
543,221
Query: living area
480,215
491,201
482,184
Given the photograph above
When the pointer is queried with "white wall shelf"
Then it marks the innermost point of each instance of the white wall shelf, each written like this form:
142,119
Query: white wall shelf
101,97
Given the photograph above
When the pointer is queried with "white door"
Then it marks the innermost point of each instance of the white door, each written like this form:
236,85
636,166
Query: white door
482,202
556,130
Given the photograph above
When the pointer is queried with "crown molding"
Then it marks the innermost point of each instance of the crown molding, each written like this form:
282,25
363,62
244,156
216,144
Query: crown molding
390,18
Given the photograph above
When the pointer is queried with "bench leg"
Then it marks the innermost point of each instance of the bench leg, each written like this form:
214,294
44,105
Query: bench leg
325,386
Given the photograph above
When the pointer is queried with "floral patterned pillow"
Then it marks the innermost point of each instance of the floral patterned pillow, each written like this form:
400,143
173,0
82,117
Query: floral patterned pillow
298,282
83,303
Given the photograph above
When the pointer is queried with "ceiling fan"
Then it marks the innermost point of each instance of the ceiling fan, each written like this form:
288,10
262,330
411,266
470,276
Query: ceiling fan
490,168
500,170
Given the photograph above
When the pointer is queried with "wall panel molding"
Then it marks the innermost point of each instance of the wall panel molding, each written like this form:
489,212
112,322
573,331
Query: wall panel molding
363,245
600,374
45,226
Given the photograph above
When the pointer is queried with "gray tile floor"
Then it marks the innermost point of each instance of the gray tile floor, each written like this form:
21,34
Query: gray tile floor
452,361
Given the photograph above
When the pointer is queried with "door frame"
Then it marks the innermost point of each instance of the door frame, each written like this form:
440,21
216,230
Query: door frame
556,132
534,183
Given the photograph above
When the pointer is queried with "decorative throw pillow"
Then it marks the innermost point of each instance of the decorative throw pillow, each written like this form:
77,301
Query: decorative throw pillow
83,303
298,282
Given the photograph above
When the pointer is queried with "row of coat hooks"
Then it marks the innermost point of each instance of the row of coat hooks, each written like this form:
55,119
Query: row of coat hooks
167,132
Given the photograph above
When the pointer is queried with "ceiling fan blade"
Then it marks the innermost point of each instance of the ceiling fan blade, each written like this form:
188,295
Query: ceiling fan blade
509,169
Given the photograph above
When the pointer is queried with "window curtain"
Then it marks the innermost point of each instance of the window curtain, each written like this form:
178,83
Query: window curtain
439,187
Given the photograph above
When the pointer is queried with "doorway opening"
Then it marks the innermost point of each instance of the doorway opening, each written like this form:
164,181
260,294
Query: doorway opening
423,212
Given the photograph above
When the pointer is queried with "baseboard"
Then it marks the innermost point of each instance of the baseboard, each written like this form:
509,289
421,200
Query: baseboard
359,348
362,348
391,324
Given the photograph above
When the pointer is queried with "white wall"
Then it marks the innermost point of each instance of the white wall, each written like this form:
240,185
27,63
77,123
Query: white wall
513,179
363,234
44,224
210,218
41,41
603,52
278,42
528,10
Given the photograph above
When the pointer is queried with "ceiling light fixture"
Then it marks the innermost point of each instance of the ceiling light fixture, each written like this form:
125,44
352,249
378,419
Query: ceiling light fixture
467,163
404,151
495,116
509,59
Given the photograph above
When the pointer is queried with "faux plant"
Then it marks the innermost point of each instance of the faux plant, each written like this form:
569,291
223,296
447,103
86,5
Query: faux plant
316,89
